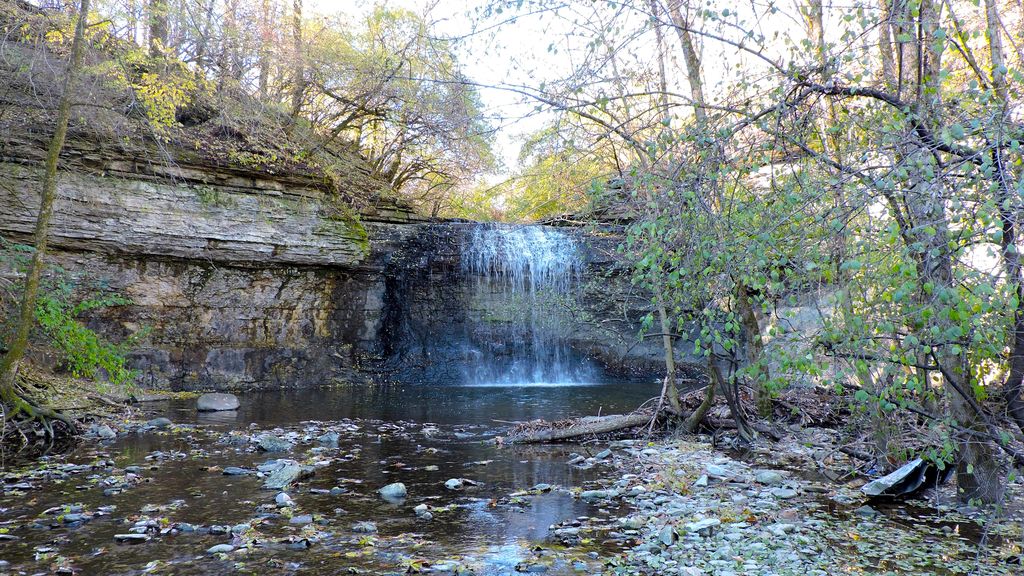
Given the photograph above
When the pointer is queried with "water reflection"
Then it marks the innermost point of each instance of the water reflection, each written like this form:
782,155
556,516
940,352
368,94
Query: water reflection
185,469
482,404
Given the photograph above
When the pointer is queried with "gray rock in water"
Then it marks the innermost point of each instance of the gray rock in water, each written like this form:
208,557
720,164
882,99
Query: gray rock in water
329,439
106,432
364,527
271,443
283,477
453,484
283,499
235,471
301,519
393,492
423,512
131,538
634,522
603,454
217,402
272,465
159,423
594,495
220,549
769,478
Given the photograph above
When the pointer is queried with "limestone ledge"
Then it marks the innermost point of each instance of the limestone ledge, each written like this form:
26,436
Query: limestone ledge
193,213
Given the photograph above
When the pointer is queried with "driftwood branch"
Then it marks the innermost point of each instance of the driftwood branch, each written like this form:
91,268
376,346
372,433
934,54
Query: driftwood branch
540,431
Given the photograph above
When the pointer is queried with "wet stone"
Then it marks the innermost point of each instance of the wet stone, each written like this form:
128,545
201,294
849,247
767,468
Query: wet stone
667,535
283,477
271,443
220,549
769,478
131,538
159,423
784,493
394,491
329,439
594,495
364,527
235,471
217,402
106,432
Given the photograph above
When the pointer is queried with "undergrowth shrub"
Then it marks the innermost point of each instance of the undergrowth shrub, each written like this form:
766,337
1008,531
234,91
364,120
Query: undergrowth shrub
59,307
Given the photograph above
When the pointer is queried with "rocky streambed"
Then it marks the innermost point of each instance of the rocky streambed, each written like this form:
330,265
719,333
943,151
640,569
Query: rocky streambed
177,493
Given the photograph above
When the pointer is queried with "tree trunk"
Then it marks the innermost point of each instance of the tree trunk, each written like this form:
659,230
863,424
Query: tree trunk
713,157
298,80
978,475
264,49
157,19
1009,212
755,347
203,43
26,314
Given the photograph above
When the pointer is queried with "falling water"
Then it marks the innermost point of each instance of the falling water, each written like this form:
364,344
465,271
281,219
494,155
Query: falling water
527,278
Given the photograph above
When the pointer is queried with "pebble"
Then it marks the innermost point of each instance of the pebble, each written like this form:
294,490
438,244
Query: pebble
394,491
784,493
364,527
271,443
220,549
769,478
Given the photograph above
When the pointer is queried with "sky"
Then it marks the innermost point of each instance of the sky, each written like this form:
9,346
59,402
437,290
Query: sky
518,53
504,54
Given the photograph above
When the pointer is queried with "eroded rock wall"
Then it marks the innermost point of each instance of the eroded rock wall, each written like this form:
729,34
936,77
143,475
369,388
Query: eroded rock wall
242,281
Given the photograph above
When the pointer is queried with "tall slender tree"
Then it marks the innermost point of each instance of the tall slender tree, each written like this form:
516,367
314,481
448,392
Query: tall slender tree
48,191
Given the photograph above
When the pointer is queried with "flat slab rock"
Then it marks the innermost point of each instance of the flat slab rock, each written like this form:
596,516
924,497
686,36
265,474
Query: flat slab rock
217,402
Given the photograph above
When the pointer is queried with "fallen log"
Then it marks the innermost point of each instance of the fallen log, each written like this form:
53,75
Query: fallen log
540,431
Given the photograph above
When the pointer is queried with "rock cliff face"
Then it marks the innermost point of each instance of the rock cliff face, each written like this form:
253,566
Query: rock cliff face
253,281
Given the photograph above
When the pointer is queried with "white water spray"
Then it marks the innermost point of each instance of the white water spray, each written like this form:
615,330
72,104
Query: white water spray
527,281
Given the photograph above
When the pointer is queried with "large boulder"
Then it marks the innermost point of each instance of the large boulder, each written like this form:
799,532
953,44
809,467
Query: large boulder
217,402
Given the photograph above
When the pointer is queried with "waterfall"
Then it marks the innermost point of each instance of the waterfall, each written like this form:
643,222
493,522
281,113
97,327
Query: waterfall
526,282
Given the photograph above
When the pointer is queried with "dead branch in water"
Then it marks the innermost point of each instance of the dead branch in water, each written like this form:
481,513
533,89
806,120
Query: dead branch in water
541,431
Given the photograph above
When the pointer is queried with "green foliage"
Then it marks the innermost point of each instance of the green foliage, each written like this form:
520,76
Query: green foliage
85,353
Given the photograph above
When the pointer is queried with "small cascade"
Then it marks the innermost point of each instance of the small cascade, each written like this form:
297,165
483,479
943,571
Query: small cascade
526,283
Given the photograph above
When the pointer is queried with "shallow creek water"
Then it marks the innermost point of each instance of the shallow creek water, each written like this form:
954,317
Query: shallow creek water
420,436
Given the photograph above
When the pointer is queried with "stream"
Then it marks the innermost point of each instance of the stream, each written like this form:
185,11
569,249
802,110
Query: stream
168,487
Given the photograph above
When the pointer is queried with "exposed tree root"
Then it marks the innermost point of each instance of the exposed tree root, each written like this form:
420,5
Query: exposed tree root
23,419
